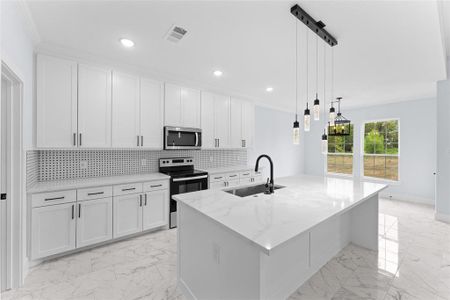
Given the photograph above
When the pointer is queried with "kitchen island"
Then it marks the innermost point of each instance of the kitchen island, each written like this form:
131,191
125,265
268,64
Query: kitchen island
266,246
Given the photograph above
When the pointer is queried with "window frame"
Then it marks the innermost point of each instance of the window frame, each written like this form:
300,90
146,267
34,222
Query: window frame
361,164
333,174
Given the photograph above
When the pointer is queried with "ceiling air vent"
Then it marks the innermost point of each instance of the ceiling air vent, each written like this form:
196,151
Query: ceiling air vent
175,34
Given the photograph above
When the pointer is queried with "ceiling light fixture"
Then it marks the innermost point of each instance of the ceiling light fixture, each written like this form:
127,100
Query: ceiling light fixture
316,107
332,110
296,126
307,115
324,135
269,89
218,73
341,125
127,43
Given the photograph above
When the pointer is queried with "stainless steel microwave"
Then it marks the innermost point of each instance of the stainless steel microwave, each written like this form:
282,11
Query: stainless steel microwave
179,138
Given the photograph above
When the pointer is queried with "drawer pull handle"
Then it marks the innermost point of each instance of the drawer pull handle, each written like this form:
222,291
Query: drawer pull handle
55,198
96,193
218,177
129,189
233,175
156,185
245,174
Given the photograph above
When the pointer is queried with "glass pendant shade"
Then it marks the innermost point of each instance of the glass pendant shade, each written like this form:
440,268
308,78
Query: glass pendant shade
324,143
316,109
307,119
296,132
332,114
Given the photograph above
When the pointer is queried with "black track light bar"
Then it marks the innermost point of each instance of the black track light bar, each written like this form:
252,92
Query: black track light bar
316,26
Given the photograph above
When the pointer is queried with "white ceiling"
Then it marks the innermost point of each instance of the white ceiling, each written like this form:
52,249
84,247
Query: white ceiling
388,50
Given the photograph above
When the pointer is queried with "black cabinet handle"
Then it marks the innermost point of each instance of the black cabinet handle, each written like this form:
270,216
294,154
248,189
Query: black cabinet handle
79,211
245,174
80,139
73,211
218,177
140,200
156,185
233,175
74,139
138,141
145,199
142,140
129,189
96,193
56,198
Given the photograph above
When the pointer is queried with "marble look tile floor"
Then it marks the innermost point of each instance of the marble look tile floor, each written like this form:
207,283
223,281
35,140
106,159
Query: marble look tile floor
413,262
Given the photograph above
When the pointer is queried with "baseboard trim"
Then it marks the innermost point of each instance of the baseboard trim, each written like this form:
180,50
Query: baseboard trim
442,217
407,198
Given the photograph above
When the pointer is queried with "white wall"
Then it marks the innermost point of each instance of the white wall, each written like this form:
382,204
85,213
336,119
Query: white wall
417,147
273,136
17,51
443,151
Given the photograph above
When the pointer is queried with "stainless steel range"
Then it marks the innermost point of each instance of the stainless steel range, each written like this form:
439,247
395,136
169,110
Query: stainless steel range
183,179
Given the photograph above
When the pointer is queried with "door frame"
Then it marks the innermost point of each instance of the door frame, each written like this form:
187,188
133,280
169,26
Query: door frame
15,172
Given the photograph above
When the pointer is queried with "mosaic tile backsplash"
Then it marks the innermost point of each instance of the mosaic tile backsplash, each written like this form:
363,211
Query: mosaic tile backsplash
49,165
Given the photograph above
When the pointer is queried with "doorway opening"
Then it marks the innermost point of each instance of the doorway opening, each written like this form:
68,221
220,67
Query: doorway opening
11,179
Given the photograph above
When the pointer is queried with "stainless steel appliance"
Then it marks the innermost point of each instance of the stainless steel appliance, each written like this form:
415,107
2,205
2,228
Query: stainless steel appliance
183,179
179,138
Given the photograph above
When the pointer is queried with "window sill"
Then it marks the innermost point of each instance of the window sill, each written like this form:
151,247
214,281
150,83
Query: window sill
381,180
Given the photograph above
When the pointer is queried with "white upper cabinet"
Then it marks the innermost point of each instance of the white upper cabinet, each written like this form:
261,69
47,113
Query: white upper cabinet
94,106
56,102
125,110
242,124
181,106
151,113
215,120
236,123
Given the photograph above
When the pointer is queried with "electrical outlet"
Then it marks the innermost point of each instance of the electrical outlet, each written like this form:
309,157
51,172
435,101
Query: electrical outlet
143,162
83,165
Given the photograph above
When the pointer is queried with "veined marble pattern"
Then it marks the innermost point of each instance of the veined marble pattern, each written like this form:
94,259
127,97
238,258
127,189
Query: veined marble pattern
413,262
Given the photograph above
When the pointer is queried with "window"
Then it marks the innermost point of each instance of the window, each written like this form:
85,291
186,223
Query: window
381,149
340,154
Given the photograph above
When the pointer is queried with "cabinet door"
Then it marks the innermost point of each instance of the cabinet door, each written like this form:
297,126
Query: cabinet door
94,221
127,215
207,120
125,110
94,106
52,230
172,105
190,108
155,209
236,123
222,120
248,124
56,111
151,113
232,183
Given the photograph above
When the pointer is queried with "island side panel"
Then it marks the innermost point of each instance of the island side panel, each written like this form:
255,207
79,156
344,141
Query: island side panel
364,224
213,262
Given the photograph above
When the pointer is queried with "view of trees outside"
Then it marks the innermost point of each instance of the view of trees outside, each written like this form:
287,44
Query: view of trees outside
381,149
340,154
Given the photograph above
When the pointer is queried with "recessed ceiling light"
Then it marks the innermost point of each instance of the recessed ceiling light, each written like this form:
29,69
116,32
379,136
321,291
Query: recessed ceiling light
127,43
218,73
269,89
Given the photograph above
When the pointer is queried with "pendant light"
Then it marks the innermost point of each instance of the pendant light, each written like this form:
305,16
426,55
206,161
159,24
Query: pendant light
332,110
307,115
296,127
342,125
324,135
316,107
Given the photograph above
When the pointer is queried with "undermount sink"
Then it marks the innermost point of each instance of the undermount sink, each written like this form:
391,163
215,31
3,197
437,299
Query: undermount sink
251,190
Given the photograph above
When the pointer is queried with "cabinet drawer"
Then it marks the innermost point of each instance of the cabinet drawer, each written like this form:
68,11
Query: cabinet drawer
44,199
94,193
216,185
156,185
245,174
217,177
232,176
126,189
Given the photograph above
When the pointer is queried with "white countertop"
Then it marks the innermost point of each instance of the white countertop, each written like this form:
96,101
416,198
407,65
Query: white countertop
60,185
212,171
270,220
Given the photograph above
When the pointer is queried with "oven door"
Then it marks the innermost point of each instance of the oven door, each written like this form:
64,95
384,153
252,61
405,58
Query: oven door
181,186
176,138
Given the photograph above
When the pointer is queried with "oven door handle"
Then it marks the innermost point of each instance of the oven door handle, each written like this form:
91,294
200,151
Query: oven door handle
189,178
196,139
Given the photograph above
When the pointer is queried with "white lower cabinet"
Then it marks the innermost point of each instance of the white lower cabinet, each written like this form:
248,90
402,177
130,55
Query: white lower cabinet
154,209
94,221
227,180
127,215
52,229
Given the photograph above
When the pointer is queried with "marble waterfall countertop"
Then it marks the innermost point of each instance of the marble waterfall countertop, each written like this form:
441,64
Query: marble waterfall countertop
270,220
60,185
